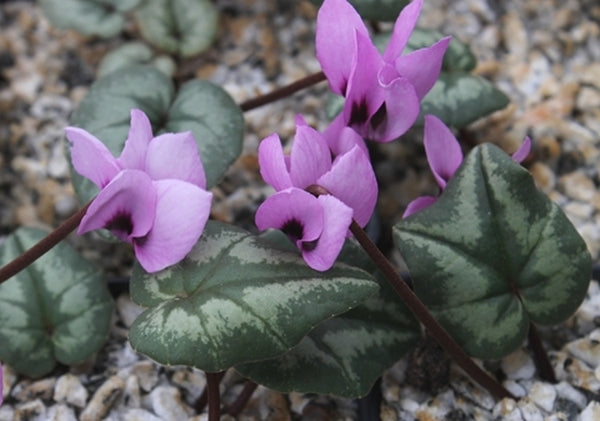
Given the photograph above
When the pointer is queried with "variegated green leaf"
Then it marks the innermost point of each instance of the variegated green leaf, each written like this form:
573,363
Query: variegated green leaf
235,299
57,309
90,17
132,54
199,106
493,254
184,27
344,355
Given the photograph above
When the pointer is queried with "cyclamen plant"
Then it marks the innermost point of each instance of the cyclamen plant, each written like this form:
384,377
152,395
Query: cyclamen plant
490,258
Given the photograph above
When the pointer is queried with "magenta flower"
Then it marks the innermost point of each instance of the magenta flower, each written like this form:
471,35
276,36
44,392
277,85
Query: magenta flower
383,92
153,196
445,156
317,225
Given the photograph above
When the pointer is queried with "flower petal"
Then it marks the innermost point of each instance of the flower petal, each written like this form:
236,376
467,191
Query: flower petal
295,209
175,155
353,181
126,206
273,167
443,150
182,210
335,44
403,27
136,145
523,151
422,67
341,138
418,204
337,220
364,95
90,157
310,156
402,107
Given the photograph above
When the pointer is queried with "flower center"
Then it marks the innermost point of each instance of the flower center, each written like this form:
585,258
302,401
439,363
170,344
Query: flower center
294,229
121,224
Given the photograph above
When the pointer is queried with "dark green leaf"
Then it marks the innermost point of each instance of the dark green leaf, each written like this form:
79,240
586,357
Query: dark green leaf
459,99
235,299
493,254
383,10
184,27
57,309
134,53
199,106
89,17
344,355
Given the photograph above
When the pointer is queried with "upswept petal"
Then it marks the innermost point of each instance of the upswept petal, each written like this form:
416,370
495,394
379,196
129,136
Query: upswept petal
403,27
271,160
442,149
90,157
335,43
140,135
422,67
364,95
402,107
288,206
523,151
170,240
352,180
341,138
175,155
310,156
337,219
126,206
419,204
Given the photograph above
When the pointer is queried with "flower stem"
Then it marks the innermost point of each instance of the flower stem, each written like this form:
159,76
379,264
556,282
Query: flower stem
38,250
283,92
542,362
203,398
214,396
422,313
238,405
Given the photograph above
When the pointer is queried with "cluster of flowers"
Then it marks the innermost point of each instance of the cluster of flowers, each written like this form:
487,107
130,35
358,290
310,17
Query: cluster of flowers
142,194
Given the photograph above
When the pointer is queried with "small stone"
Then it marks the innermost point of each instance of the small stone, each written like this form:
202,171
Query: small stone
191,380
543,395
529,411
544,177
131,393
518,365
507,410
103,399
69,389
39,389
567,392
591,412
147,373
128,310
138,414
9,377
61,412
31,411
577,186
515,388
587,349
166,403
588,98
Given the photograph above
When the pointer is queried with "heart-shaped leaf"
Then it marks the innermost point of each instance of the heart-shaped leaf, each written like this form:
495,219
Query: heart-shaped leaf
460,98
184,27
383,10
57,309
344,355
199,106
234,299
89,17
134,53
493,254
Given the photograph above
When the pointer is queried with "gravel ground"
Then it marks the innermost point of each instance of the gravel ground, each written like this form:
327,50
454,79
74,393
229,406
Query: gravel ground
545,54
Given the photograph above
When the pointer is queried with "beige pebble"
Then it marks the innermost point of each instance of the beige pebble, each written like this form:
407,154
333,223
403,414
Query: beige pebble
69,389
103,399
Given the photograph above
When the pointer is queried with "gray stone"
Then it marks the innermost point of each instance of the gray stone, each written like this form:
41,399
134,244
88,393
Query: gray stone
166,403
69,389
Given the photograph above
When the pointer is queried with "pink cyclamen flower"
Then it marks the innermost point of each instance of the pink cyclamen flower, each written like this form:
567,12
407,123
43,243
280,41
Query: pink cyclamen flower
153,196
383,92
445,156
317,225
